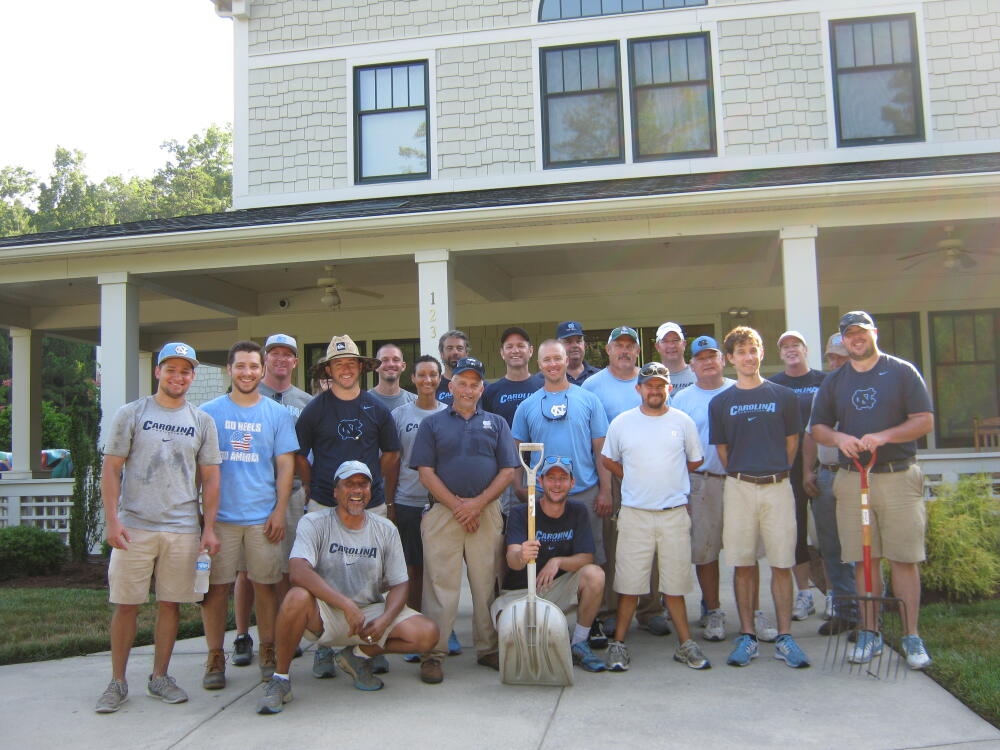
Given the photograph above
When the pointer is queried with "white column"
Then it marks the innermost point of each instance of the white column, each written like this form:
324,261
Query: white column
434,274
798,260
145,383
119,353
26,404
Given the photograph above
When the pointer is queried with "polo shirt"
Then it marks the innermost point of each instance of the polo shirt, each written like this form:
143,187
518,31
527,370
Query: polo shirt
588,370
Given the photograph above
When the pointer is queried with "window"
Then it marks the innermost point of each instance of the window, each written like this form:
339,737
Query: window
555,10
581,106
391,124
672,108
966,353
876,81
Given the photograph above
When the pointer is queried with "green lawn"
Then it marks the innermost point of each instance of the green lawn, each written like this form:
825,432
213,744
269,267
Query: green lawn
50,623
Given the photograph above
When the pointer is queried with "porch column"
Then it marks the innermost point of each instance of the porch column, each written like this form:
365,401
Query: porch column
26,404
434,273
798,260
119,344
145,383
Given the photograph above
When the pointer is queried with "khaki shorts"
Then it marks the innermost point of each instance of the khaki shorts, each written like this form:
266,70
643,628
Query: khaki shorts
335,627
753,512
898,518
296,509
562,592
705,504
643,533
312,507
245,544
163,555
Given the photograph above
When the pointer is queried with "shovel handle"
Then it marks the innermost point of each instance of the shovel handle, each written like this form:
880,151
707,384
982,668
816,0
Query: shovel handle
531,470
866,523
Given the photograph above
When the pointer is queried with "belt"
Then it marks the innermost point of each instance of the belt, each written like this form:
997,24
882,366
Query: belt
834,468
889,467
709,474
754,479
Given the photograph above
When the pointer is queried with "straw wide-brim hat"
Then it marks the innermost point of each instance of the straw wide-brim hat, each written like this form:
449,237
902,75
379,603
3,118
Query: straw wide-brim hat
343,347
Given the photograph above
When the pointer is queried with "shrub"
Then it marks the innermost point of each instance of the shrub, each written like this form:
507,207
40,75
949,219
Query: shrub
29,550
963,541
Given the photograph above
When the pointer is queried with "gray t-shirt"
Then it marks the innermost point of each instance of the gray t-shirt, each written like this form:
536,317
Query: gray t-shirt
294,400
162,449
394,402
681,380
360,563
408,417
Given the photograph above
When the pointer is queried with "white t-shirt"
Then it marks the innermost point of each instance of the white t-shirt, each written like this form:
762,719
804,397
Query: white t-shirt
654,452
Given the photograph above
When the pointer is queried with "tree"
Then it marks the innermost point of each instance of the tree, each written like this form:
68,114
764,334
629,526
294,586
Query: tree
69,200
199,179
16,187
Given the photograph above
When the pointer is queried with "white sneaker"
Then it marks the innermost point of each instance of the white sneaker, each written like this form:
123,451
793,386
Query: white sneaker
715,625
765,628
803,606
828,606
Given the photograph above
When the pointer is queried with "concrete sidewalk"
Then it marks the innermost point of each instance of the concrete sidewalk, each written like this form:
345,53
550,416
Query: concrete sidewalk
657,703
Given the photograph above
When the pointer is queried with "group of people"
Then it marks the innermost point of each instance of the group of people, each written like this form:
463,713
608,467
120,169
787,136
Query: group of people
345,517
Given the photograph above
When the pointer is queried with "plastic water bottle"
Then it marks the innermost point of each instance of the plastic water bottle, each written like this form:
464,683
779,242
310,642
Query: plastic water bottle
202,569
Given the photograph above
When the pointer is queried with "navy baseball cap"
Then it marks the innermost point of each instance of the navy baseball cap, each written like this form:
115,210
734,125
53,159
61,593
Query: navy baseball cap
704,343
469,364
856,318
177,350
568,328
514,330
624,331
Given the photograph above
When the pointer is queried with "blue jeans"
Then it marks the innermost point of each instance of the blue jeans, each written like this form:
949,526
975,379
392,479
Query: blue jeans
840,575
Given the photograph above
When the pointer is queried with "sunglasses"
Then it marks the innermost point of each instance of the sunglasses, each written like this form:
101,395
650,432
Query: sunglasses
564,461
555,406
654,368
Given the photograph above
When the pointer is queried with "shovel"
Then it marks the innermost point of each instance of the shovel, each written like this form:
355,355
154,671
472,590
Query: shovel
870,609
533,634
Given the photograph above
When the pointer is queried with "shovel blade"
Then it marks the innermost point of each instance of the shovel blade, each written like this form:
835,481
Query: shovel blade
538,654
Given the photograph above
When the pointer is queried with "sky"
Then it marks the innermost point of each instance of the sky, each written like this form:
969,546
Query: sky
111,78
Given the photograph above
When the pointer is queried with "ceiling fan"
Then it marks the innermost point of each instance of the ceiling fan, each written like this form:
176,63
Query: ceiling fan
330,286
952,252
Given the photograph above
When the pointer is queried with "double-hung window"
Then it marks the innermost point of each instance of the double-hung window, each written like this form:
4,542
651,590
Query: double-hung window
391,127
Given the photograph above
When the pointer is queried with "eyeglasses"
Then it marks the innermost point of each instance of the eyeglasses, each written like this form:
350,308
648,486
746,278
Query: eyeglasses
654,368
557,408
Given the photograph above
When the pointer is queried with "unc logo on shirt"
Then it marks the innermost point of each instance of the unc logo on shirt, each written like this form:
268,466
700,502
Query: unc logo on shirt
487,424
349,429
558,410
864,399
240,441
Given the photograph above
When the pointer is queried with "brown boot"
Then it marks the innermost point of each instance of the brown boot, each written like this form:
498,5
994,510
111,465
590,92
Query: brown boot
267,661
215,670
431,672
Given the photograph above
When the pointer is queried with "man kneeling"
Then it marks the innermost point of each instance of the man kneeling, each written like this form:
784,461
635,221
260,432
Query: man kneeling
564,552
340,559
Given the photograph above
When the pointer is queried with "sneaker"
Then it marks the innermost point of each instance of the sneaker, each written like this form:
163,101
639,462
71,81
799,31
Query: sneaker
866,648
690,655
454,646
836,625
277,693
828,605
215,670
715,626
431,672
597,639
323,663
359,668
242,650
411,658
267,661
380,665
657,625
803,606
617,658
916,653
744,650
165,688
112,698
765,629
586,658
786,649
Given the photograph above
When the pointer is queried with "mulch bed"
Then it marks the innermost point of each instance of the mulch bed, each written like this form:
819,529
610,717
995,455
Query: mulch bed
90,574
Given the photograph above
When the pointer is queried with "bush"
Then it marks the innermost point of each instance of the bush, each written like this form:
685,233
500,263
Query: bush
29,550
963,541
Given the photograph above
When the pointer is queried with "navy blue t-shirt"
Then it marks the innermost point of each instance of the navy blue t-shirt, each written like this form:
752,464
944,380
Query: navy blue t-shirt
336,431
443,394
567,535
865,402
753,423
503,396
804,387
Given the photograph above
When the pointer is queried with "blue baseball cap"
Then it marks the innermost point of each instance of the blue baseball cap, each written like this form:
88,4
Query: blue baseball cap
469,364
563,462
281,339
568,328
624,331
704,343
350,468
856,318
177,350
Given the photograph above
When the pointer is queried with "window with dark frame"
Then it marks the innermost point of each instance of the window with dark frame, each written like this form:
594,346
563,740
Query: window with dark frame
673,113
581,105
557,10
391,123
876,80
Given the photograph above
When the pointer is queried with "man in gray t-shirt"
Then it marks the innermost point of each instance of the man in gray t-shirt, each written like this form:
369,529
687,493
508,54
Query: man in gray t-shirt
157,448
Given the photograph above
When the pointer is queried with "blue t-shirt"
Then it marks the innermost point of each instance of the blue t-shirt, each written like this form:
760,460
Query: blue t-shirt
753,423
583,421
616,395
864,402
567,535
804,387
466,454
503,396
336,431
250,438
694,402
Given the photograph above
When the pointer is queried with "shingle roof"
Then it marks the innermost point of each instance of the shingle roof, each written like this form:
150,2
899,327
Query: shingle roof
530,195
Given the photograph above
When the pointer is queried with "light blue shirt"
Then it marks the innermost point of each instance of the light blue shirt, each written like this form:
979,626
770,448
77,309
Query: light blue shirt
572,435
250,438
694,401
616,395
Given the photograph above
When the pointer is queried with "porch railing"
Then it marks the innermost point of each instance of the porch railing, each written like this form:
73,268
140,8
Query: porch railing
44,503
